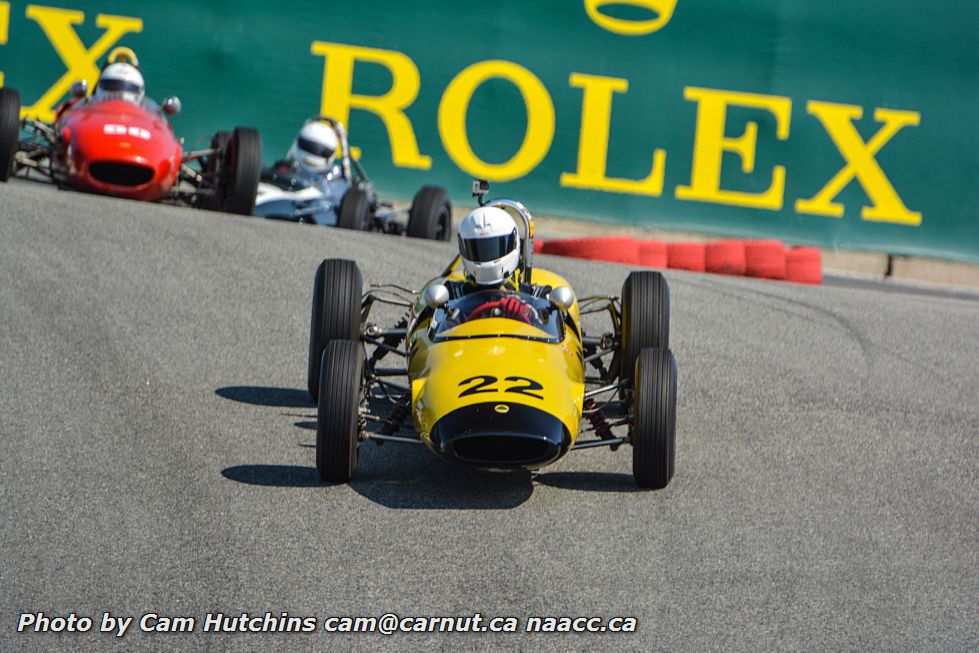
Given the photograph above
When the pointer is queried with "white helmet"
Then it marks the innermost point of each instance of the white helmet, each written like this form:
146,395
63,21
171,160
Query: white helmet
489,245
315,146
121,81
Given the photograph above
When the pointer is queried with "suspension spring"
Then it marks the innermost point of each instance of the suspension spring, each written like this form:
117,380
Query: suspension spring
397,417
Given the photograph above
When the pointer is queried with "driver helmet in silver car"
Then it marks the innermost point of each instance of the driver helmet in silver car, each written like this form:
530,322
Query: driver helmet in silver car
315,146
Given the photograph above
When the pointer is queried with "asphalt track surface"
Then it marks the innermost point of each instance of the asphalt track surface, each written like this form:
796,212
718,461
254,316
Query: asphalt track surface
157,457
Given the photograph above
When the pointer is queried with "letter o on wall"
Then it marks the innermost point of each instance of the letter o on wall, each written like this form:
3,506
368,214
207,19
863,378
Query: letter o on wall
540,120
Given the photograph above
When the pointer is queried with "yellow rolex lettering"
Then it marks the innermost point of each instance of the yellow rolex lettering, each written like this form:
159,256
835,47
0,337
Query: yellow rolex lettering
710,143
455,105
596,117
338,97
861,163
80,62
4,27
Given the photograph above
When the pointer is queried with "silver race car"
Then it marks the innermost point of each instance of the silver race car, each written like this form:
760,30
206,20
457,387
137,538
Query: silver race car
320,183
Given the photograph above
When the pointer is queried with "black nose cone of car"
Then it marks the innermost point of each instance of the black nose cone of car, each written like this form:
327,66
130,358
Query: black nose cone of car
500,435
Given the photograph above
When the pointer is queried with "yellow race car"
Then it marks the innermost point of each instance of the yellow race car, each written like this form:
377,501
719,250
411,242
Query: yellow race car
495,378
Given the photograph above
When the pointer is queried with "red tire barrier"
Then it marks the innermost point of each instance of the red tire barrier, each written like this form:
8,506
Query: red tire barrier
726,257
652,253
614,249
686,256
538,246
765,259
804,265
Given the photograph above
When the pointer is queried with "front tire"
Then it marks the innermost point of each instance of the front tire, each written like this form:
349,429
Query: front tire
354,210
9,130
243,166
653,432
431,214
337,289
645,317
338,417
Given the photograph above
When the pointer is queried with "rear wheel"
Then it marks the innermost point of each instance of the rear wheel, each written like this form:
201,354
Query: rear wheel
431,214
338,416
354,210
653,431
645,317
337,290
243,167
9,130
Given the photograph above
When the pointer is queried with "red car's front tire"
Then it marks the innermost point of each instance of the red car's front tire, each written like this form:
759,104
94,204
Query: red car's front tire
244,170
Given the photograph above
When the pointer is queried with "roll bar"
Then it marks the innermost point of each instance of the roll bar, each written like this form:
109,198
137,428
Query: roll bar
527,243
123,54
480,188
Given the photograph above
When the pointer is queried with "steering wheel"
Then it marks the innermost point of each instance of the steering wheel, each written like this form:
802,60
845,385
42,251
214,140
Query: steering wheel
509,307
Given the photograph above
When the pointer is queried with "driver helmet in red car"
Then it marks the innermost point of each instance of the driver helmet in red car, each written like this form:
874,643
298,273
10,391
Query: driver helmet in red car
121,81
315,146
489,246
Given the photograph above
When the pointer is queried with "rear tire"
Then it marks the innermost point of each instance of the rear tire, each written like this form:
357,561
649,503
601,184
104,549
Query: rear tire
654,418
337,290
645,317
338,418
243,167
431,214
9,130
354,210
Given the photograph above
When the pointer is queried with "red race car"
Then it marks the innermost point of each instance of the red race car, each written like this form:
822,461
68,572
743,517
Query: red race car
118,142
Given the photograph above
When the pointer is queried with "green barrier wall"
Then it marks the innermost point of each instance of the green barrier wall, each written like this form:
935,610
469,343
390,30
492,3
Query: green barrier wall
831,122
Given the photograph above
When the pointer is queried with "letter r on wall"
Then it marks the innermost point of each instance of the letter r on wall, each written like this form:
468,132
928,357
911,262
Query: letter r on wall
338,97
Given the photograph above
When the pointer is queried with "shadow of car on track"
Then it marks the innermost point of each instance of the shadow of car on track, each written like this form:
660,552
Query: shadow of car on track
406,476
410,477
273,475
266,396
400,479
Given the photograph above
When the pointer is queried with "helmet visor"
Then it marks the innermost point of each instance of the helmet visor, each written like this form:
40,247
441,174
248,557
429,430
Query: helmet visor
314,148
484,250
119,86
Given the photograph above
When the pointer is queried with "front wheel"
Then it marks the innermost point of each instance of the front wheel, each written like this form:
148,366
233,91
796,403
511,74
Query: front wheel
9,130
338,417
431,214
243,168
337,289
653,431
645,317
355,208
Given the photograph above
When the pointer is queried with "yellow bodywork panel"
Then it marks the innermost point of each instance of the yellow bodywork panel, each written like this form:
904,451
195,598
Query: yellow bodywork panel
496,359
